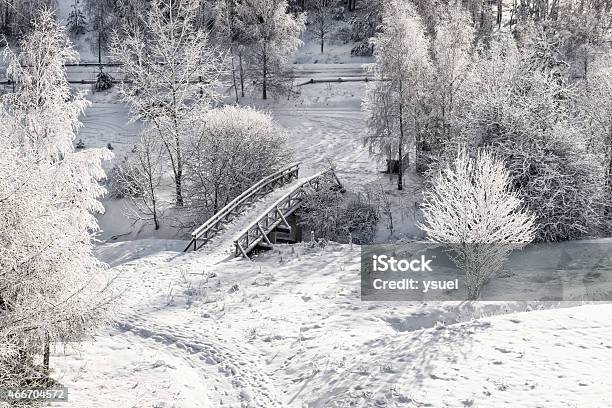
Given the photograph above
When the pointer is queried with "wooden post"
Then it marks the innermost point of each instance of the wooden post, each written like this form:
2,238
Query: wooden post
46,354
263,234
239,248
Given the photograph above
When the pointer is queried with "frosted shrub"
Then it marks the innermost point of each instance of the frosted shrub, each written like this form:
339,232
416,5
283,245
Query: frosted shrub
562,185
231,150
472,208
337,216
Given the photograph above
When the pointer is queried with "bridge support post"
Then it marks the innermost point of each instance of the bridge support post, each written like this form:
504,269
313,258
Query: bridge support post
240,250
263,234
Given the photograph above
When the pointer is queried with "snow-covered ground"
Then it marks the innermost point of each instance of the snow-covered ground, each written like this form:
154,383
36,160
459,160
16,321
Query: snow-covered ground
290,330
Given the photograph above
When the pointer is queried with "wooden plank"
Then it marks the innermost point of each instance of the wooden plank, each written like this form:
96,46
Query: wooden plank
264,235
282,217
244,254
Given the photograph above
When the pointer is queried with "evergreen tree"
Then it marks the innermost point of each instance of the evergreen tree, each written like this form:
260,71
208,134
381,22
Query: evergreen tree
76,19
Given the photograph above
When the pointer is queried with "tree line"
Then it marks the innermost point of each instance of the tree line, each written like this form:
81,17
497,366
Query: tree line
535,93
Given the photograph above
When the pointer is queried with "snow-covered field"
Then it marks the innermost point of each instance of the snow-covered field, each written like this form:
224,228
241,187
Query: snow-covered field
290,330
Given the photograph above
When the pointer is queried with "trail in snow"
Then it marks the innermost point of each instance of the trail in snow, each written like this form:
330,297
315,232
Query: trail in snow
175,356
290,330
155,315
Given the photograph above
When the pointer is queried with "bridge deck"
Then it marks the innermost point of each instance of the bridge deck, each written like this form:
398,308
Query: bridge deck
222,245
237,206
248,219
277,213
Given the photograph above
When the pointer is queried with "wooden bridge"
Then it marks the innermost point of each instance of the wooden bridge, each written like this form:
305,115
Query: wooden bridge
202,234
276,215
266,223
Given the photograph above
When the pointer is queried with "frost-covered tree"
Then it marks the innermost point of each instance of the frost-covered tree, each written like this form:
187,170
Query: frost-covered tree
596,104
138,178
472,208
580,28
50,281
394,100
585,27
232,148
234,36
452,49
321,19
103,19
522,111
274,35
16,16
76,18
365,24
173,71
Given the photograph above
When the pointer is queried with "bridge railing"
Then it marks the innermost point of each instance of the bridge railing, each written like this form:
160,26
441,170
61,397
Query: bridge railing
234,207
277,214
